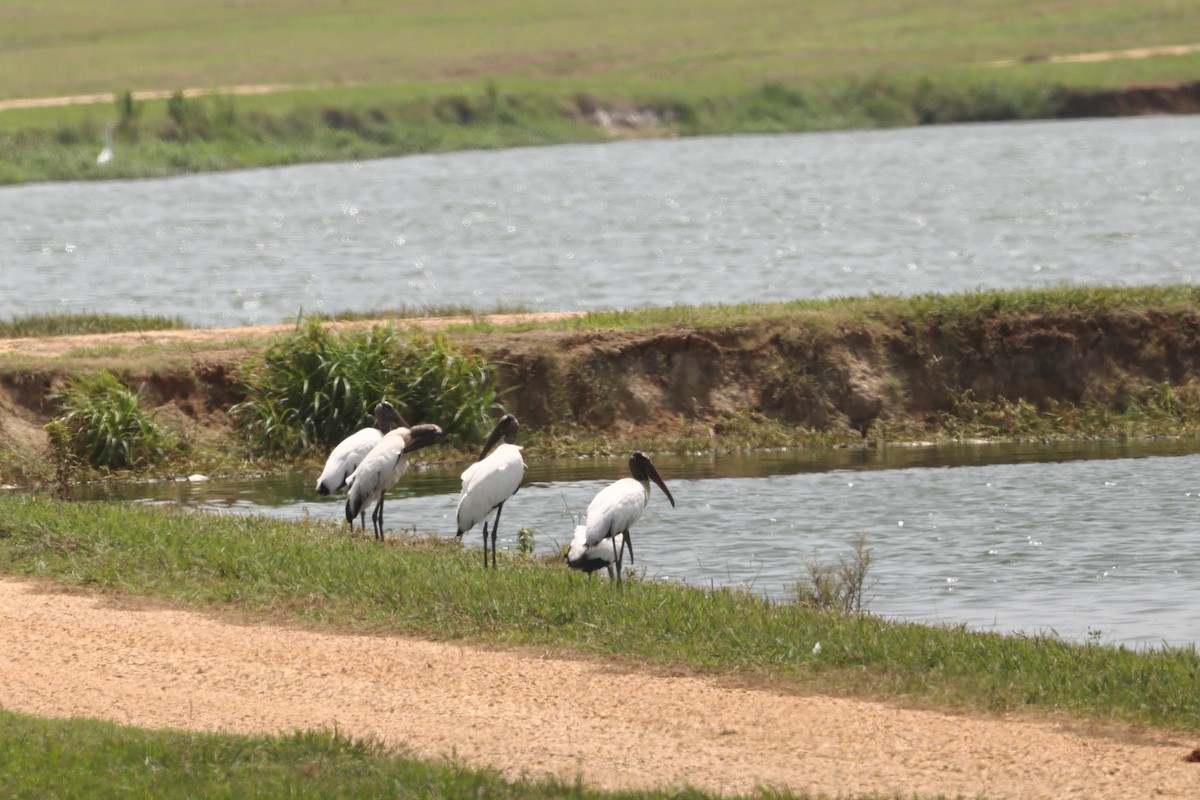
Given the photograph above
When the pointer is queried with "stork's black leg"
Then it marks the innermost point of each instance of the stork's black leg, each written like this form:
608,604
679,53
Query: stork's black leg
620,553
377,520
495,525
485,540
629,543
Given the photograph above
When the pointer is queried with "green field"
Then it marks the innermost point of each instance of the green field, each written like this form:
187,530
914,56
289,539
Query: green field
614,45
366,80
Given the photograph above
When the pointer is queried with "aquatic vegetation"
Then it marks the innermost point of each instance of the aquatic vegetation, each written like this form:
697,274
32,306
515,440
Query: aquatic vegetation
315,386
103,425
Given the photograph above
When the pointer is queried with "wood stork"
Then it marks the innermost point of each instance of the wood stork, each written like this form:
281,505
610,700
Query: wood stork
614,510
601,555
382,467
107,153
490,481
350,452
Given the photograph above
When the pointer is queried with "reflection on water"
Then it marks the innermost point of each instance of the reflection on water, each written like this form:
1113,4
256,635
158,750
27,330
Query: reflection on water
1071,538
703,220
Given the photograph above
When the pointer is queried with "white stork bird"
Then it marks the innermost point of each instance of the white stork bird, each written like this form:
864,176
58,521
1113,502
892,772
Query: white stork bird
613,511
382,467
350,452
602,555
490,481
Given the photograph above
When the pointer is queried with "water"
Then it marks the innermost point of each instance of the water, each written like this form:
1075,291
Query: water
1081,540
625,224
1072,541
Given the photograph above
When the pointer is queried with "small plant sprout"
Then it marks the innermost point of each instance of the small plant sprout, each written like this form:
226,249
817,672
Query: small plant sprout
525,543
839,587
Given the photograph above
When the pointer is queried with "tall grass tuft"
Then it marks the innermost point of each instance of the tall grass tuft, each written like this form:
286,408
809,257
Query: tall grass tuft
28,325
840,587
314,386
103,425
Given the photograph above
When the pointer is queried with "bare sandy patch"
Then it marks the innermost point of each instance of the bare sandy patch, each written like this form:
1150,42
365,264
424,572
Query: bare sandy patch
1105,55
74,653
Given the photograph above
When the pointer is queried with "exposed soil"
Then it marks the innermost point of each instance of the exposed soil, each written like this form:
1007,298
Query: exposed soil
810,369
527,713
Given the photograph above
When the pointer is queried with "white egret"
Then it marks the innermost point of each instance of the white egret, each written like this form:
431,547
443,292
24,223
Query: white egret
382,467
490,481
350,452
614,510
107,153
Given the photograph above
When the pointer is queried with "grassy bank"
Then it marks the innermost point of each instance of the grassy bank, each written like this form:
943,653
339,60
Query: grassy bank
316,574
1064,363
359,82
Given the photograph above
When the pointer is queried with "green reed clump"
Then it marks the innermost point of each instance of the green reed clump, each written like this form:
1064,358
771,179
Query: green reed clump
316,385
103,425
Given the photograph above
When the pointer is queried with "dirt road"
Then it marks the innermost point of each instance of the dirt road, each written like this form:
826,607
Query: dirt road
81,654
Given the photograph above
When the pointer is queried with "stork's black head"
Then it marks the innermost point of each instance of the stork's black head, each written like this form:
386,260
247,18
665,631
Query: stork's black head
641,469
505,429
387,417
422,436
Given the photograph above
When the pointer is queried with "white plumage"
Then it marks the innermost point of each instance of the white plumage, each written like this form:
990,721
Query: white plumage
588,559
615,509
490,482
345,458
350,452
382,467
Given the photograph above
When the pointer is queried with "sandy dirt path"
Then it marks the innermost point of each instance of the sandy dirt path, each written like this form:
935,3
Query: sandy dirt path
74,653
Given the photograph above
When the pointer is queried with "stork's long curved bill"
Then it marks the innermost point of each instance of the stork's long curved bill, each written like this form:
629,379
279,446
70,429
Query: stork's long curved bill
505,429
652,473
497,433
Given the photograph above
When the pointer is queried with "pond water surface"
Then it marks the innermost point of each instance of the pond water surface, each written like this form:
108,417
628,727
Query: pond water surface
1087,539
625,224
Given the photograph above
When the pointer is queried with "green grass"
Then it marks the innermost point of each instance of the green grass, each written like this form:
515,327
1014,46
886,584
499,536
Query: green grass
585,45
317,574
68,323
425,77
93,759
418,313
873,310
